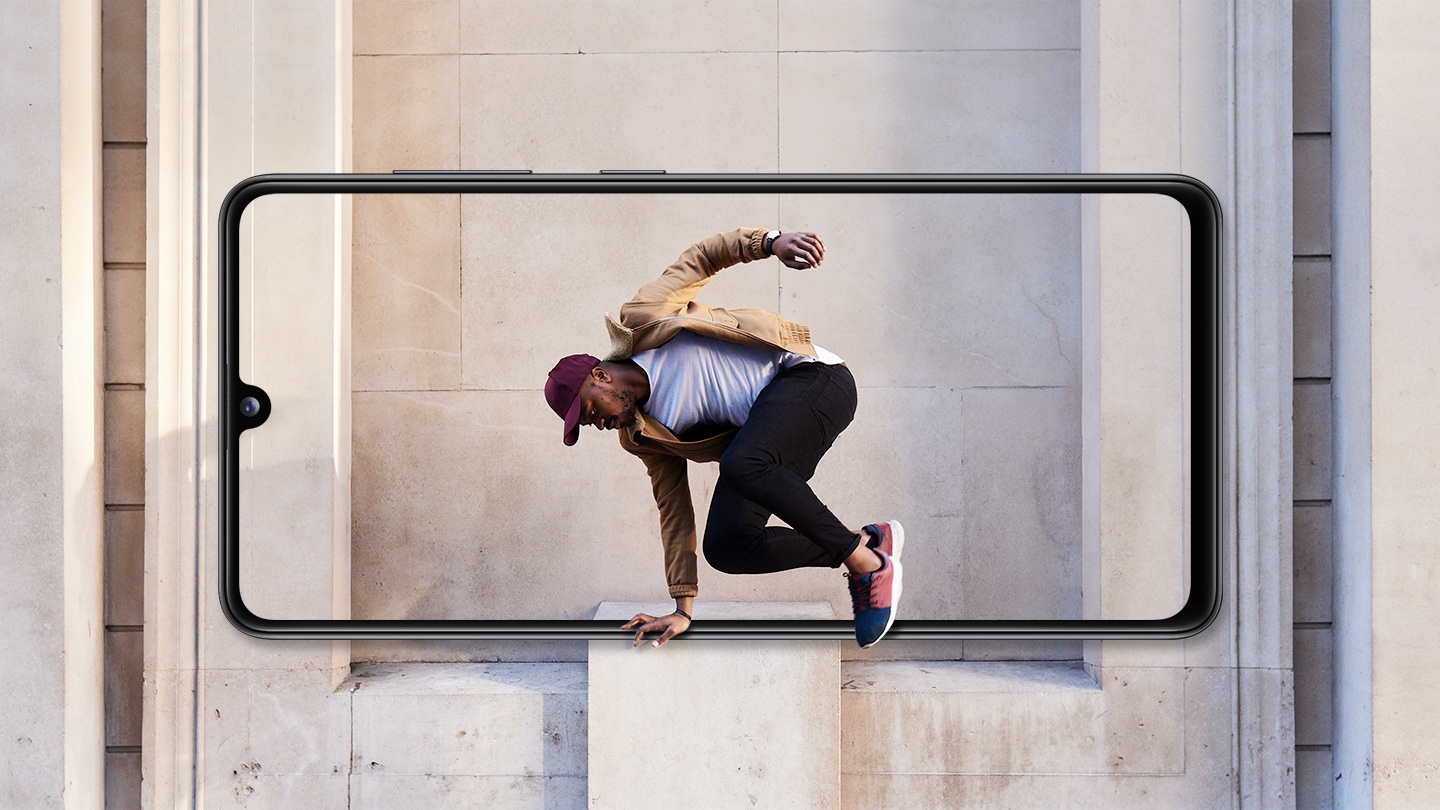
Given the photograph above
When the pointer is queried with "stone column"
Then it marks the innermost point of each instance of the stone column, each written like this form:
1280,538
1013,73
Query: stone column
51,543
1200,88
1388,184
239,90
1352,780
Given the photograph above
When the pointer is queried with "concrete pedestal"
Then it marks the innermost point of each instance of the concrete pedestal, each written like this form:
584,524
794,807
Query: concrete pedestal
700,723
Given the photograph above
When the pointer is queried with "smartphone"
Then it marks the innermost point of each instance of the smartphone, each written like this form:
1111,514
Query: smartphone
1037,367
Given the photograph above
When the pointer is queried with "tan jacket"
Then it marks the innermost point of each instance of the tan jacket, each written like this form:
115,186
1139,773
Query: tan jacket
657,313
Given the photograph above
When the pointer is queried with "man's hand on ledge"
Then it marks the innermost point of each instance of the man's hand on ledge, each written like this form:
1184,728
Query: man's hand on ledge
799,250
668,626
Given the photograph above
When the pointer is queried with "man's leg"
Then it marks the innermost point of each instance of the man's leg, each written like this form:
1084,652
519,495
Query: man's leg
765,471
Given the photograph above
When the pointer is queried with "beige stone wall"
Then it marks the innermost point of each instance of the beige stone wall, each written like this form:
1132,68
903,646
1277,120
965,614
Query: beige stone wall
229,720
960,316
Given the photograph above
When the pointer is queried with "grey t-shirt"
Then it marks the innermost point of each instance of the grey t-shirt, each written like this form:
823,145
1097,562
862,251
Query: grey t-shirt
696,379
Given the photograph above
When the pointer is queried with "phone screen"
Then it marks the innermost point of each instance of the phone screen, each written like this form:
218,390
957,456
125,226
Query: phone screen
1035,372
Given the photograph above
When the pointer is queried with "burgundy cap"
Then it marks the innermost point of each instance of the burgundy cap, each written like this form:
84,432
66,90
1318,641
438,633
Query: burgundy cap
562,391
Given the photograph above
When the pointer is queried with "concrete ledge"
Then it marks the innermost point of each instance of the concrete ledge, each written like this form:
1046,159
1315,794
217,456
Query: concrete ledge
1004,677
997,717
466,679
464,735
722,611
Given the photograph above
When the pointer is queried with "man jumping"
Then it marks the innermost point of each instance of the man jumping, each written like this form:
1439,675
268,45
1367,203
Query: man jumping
748,389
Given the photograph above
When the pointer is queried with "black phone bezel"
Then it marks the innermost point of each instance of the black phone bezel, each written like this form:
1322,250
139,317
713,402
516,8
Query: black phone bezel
1201,206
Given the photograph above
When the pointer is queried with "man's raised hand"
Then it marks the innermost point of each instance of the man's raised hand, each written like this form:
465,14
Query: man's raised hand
799,250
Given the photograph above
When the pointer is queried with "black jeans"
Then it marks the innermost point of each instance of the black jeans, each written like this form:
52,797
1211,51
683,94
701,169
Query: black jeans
765,471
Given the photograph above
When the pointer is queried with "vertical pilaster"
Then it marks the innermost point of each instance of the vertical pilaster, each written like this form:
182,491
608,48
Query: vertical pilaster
1405,359
1350,115
235,91
51,544
1133,284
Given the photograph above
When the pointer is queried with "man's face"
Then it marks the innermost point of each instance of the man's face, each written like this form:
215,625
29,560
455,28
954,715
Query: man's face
606,407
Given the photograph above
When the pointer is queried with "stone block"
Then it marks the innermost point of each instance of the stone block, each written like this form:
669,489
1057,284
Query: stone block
406,26
854,25
405,294
123,205
495,720
409,106
122,71
467,651
1126,653
124,661
1313,442
541,271
269,723
1312,67
968,717
956,290
382,791
125,446
1312,195
1266,734
1207,780
297,82
125,567
1314,778
951,111
1020,505
228,649
1313,566
125,326
896,649
587,112
738,719
615,26
1213,646
254,788
621,612
122,781
1138,396
293,476
466,505
1023,650
1312,318
1314,680
1204,36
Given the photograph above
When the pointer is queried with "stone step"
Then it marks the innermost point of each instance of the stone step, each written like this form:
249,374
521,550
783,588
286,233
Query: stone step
1010,717
468,735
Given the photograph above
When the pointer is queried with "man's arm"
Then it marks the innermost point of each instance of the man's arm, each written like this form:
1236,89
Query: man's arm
673,291
671,485
677,287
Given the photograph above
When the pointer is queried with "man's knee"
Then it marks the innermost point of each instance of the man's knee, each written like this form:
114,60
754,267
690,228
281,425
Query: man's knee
723,555
742,469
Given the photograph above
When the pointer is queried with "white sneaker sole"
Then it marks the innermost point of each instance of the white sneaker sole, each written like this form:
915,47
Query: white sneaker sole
897,538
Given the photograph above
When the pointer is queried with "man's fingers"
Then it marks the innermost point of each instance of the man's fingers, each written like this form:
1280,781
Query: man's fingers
666,636
639,634
810,246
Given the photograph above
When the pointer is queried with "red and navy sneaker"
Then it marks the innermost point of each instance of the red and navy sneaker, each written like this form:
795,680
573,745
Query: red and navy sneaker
874,597
887,537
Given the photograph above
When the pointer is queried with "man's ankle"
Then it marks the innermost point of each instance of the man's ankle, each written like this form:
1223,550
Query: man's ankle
864,560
